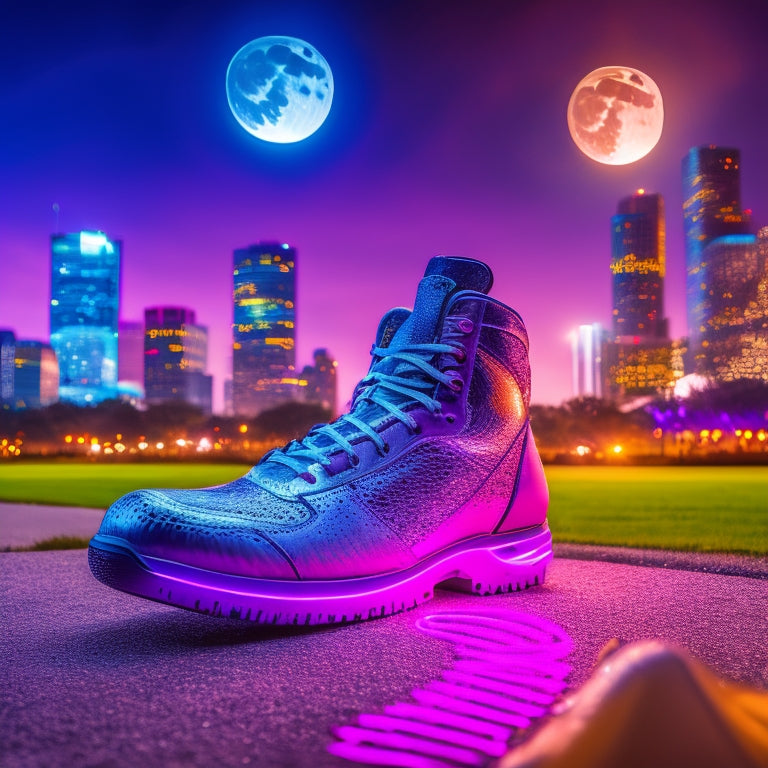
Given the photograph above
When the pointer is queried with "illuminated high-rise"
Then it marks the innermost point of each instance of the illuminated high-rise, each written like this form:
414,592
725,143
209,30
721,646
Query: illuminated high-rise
639,359
321,380
85,301
175,358
732,311
130,355
7,368
264,326
36,375
638,262
642,367
587,343
711,209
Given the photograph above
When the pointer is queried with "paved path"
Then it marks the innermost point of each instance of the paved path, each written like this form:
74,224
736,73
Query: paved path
93,677
25,524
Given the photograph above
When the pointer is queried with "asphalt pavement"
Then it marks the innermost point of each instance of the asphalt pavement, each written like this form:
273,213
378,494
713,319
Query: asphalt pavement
93,677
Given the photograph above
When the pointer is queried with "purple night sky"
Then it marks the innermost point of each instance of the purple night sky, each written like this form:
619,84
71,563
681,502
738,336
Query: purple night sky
447,135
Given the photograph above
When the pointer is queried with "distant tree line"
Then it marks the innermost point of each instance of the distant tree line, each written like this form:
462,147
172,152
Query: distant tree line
594,424
168,421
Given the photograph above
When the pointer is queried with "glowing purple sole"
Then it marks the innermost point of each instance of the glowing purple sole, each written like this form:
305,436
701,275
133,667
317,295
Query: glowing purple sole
484,565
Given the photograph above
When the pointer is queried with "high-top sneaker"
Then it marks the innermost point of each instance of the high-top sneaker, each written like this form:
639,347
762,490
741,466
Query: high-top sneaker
432,478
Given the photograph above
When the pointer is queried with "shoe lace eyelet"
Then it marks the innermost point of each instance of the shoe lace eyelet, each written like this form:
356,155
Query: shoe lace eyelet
385,448
354,460
460,355
465,325
417,429
455,384
450,418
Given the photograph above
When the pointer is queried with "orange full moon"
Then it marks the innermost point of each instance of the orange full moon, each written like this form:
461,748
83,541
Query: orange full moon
615,115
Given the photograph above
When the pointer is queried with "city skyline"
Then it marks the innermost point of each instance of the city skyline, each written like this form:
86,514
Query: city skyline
447,135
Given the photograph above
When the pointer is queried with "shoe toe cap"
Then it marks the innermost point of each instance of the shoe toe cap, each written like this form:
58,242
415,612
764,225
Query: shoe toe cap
180,526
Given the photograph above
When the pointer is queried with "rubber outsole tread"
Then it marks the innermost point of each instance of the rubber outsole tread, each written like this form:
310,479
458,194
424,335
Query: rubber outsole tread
124,573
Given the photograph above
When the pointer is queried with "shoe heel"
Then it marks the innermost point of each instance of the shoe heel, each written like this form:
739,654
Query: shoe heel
516,562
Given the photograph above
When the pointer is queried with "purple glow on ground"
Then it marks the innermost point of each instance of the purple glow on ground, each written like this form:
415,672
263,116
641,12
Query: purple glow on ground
388,723
508,670
415,712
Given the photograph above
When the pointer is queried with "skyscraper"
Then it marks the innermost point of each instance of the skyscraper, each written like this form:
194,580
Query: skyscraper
130,356
639,359
587,360
85,299
36,375
175,357
7,368
732,311
264,327
321,380
638,262
711,209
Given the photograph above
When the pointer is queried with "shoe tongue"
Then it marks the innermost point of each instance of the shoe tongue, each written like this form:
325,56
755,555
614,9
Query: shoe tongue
421,326
444,275
468,274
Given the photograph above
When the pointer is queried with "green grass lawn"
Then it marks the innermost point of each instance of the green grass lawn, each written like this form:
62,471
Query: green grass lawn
98,485
706,509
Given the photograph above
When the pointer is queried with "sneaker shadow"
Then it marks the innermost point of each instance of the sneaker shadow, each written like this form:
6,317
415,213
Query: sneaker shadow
163,632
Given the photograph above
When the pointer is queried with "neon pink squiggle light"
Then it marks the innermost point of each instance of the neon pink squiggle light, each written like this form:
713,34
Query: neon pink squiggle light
508,670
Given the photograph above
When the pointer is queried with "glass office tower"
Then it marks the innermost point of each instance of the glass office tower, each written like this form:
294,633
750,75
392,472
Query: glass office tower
7,367
587,343
321,380
639,359
130,355
711,209
732,311
264,327
85,300
175,358
638,262
36,375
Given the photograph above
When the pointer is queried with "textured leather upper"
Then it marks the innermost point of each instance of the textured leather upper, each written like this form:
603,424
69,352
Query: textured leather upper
451,478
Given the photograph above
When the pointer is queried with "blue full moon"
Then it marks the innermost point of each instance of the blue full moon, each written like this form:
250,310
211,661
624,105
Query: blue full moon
279,89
